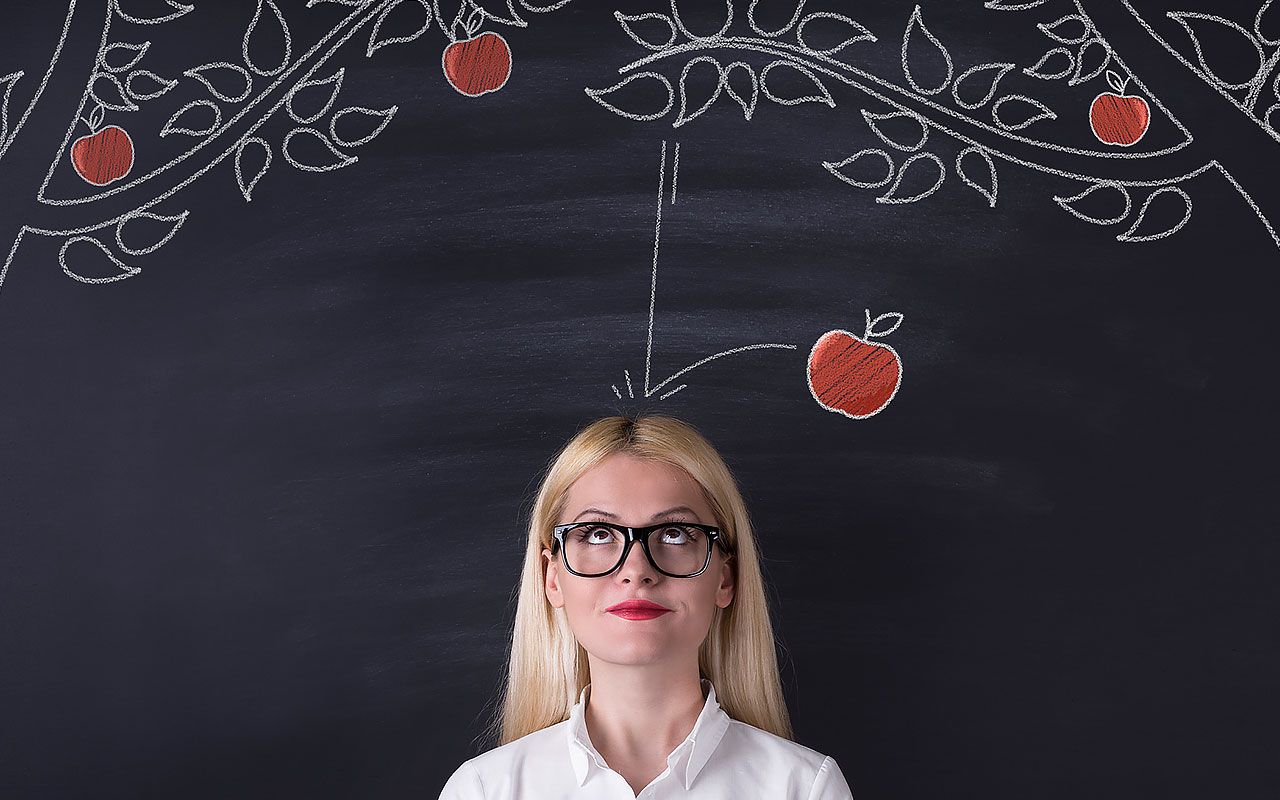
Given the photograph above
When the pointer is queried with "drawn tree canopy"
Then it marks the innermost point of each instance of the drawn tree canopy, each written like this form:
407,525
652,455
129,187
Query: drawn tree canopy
1142,84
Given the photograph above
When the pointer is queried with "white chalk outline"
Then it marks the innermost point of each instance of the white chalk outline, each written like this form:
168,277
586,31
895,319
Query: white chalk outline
334,82
888,197
683,116
288,40
625,20
1050,29
386,115
165,83
1066,202
182,8
1045,112
1128,236
1080,76
8,82
1181,18
861,33
126,105
865,339
834,168
916,21
247,190
653,295
808,98
1002,66
989,192
376,44
172,127
873,118
126,271
751,20
345,159
177,220
747,108
1035,70
199,74
138,50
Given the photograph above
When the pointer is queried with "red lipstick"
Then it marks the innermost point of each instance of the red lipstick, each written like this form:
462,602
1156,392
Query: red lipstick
637,609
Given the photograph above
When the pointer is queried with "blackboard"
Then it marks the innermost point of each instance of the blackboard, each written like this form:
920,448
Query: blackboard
252,420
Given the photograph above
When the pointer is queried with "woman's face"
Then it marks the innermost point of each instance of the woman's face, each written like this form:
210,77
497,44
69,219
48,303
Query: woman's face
634,490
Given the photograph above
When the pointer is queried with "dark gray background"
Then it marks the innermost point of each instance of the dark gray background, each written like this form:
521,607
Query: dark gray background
263,505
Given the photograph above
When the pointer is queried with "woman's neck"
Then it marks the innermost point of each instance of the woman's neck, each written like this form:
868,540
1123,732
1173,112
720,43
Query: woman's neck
641,713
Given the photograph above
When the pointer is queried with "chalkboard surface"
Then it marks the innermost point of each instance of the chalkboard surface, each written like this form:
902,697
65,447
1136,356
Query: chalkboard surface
299,298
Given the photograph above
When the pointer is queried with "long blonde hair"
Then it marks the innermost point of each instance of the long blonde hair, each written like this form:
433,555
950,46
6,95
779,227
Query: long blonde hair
548,668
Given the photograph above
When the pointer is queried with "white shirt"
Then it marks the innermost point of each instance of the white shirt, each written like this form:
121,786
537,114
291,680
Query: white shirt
721,759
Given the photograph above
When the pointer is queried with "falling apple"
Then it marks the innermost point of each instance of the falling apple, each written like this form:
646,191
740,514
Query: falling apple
851,375
103,156
1118,118
477,65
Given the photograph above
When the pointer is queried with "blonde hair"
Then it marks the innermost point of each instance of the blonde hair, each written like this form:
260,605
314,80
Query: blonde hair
548,668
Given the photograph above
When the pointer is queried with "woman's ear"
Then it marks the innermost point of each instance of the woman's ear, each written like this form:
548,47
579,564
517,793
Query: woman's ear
551,579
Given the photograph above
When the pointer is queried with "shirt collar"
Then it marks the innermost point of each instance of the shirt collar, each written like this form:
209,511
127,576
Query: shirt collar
698,745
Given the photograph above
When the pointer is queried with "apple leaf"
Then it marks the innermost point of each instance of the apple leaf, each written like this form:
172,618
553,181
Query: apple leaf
1045,70
915,128
980,73
844,170
225,73
631,25
599,94
246,189
871,333
137,94
334,159
748,106
190,112
365,114
320,93
1070,29
755,26
168,227
986,184
806,77
1089,51
1203,26
1084,205
1027,109
938,170
914,25
1178,200
272,28
91,268
843,29
684,115
415,12
121,56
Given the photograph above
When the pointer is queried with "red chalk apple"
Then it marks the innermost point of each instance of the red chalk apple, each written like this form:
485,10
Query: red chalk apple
477,65
1118,118
103,156
852,375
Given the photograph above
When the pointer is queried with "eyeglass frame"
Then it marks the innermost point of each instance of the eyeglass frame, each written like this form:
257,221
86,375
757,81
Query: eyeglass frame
714,537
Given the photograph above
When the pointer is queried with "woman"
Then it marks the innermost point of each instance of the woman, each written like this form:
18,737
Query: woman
642,661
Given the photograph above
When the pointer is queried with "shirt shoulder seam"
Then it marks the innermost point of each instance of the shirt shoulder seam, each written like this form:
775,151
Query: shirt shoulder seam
478,776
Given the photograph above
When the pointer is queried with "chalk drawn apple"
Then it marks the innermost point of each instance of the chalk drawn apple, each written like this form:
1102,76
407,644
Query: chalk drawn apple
478,64
852,375
1118,118
103,156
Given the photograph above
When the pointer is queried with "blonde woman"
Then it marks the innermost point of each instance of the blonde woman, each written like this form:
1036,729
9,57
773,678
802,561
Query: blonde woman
642,661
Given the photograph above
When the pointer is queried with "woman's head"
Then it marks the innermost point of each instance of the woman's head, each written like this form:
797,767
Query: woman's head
634,468
633,490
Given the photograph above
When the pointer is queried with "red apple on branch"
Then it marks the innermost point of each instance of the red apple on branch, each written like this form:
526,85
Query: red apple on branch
851,375
477,64
103,156
1118,118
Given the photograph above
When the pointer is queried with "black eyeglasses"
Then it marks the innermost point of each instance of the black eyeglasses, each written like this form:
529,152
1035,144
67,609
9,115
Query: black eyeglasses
594,549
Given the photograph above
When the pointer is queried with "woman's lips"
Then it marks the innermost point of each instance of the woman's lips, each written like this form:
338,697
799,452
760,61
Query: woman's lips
639,613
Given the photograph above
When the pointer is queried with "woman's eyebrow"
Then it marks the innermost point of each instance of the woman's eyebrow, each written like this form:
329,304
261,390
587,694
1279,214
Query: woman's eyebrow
668,512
